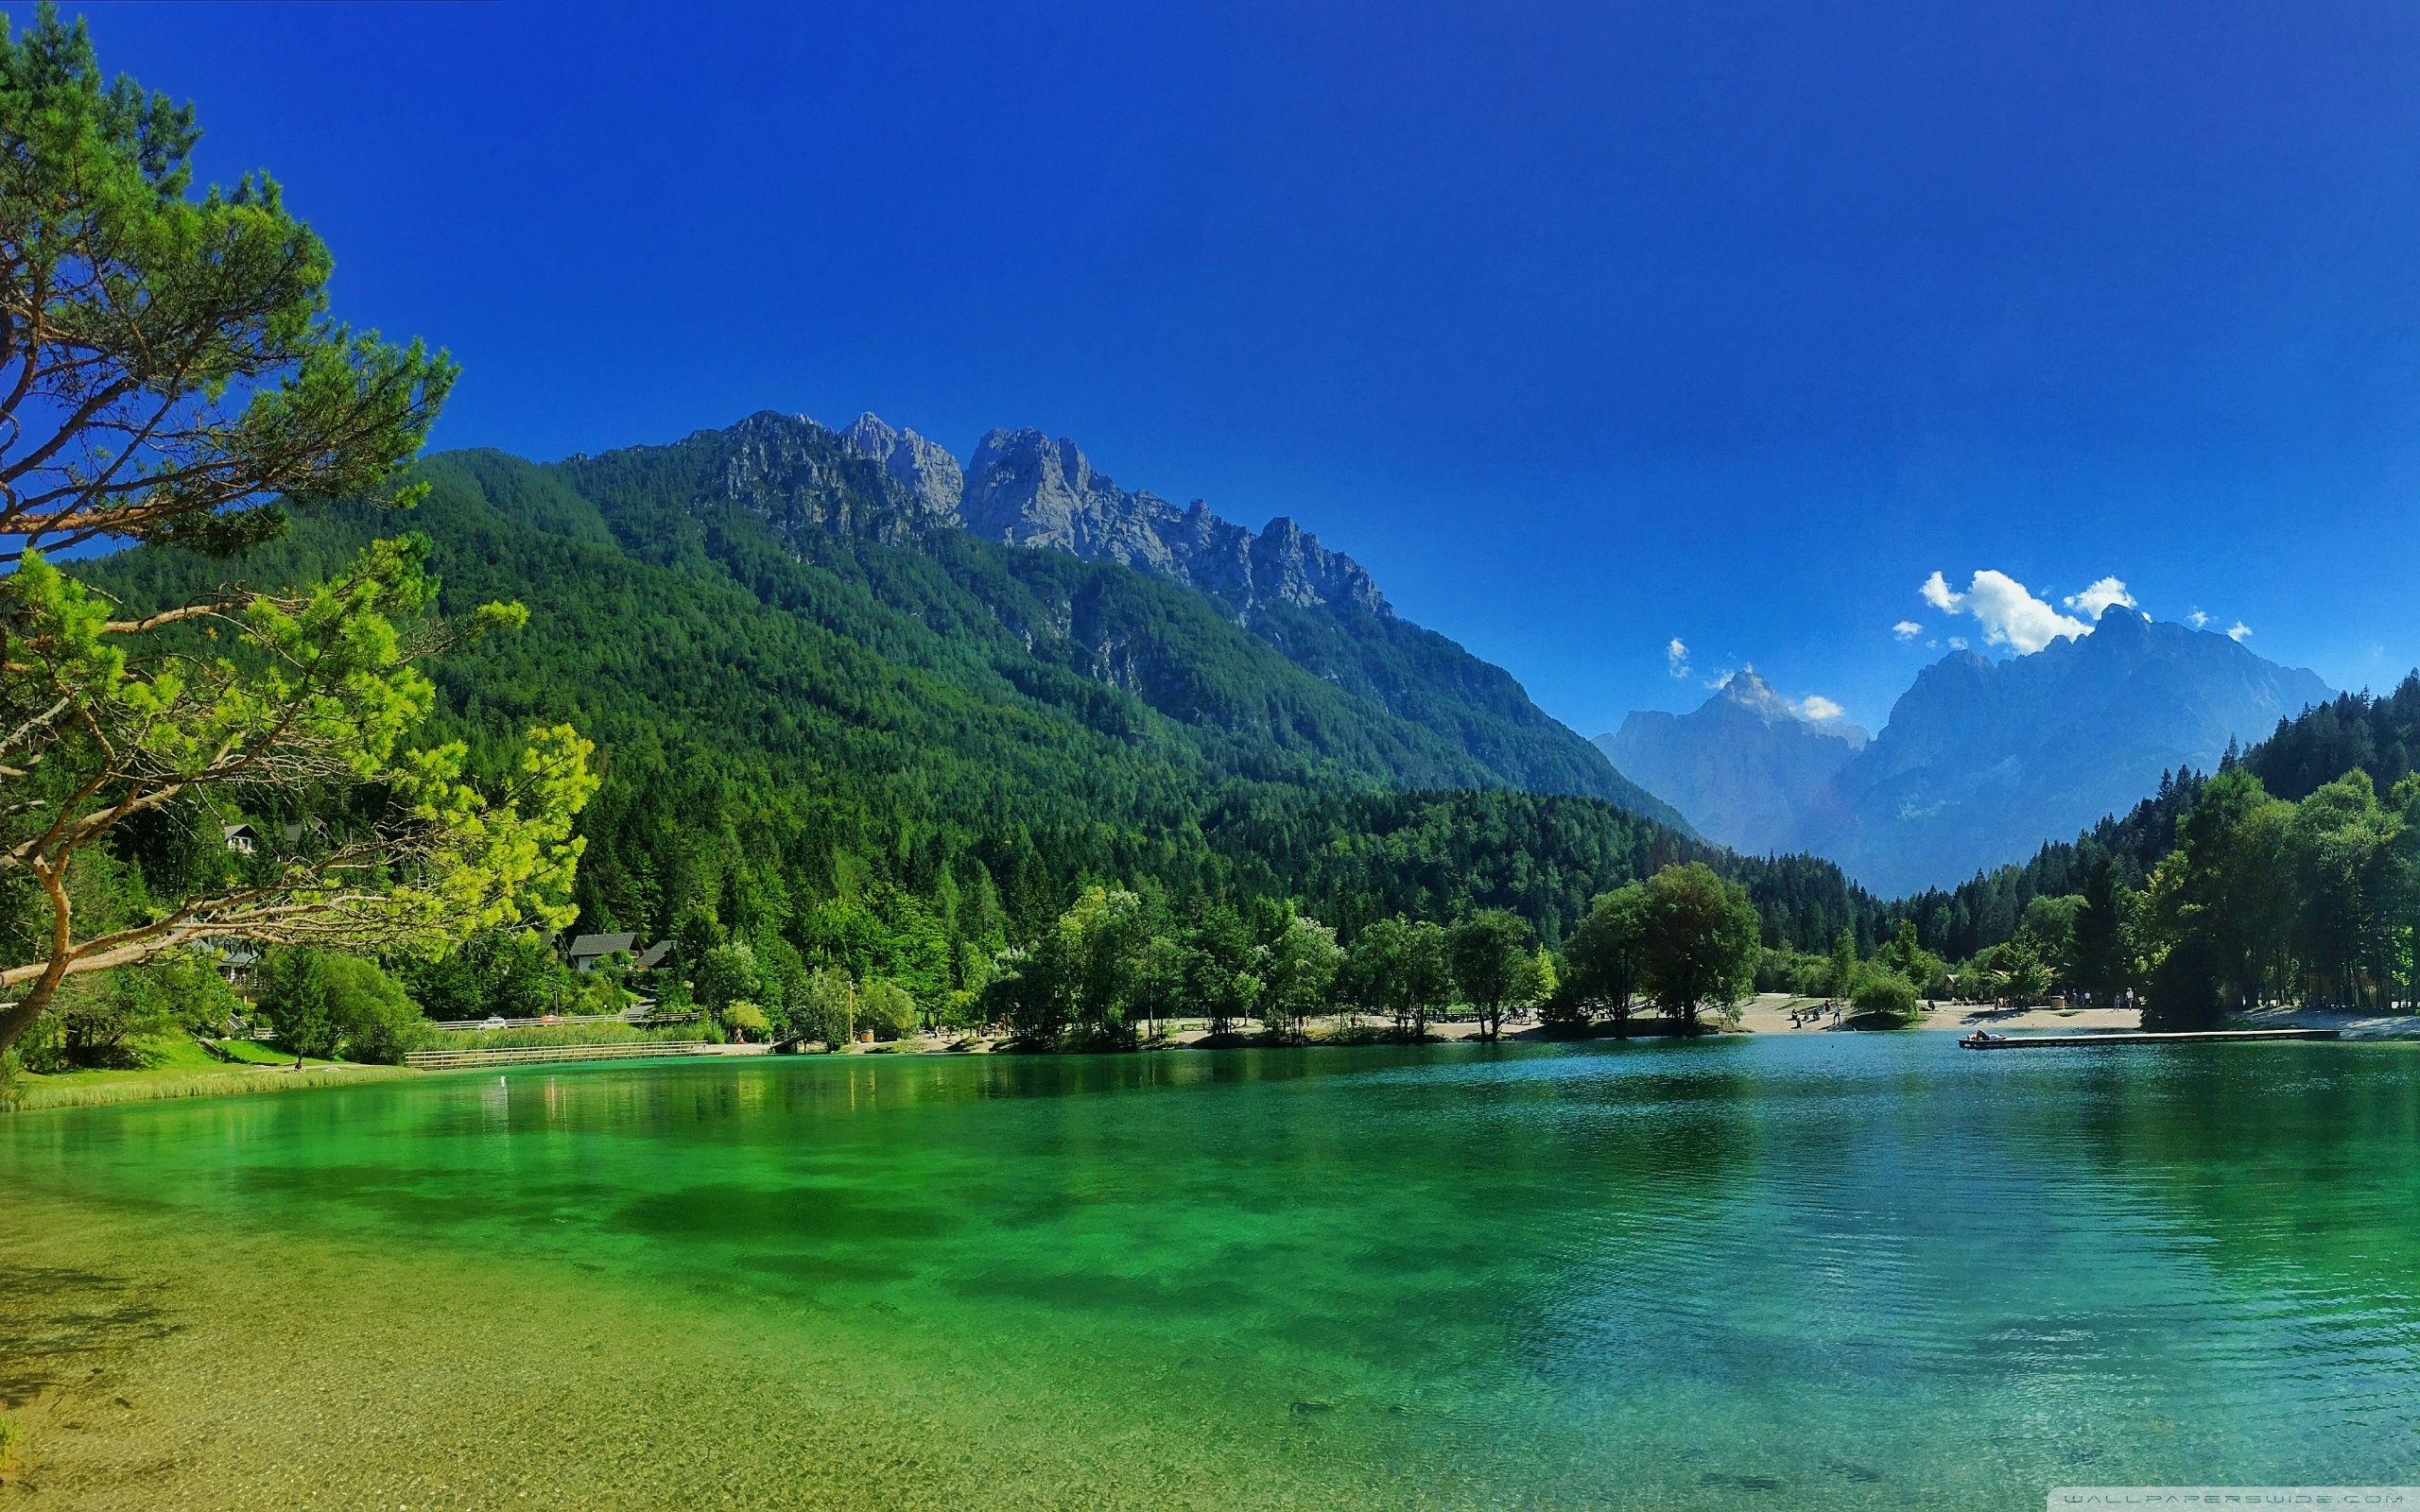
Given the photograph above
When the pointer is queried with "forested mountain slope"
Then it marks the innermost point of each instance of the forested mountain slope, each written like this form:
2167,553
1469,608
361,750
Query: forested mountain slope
887,738
782,487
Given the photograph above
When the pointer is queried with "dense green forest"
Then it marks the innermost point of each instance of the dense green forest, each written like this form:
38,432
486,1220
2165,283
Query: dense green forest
849,744
903,753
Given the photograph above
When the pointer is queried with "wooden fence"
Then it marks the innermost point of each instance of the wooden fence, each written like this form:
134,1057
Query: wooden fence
525,1055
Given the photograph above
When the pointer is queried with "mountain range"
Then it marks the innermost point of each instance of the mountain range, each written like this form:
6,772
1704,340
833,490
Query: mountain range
828,704
1446,718
845,661
1982,761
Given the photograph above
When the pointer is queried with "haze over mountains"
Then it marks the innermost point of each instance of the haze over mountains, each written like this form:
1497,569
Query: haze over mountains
1745,766
1980,762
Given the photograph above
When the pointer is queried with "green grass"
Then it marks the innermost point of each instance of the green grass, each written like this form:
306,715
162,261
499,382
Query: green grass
178,1066
564,1034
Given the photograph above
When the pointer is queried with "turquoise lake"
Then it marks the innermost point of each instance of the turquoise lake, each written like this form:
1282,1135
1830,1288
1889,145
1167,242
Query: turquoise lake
1812,1271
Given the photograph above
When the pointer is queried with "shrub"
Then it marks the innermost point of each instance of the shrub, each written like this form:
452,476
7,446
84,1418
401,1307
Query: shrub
1885,1000
744,1019
328,1004
886,1008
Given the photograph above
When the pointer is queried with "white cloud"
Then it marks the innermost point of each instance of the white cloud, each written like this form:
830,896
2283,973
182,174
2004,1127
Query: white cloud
2100,596
1676,658
2011,615
1816,707
2006,608
1907,629
2197,619
2237,631
1958,642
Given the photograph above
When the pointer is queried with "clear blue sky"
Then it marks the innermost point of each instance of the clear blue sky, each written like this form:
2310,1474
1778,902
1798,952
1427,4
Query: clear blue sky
1584,327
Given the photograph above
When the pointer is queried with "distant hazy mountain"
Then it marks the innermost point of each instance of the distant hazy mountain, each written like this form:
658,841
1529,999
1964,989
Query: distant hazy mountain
1984,760
1981,763
1746,766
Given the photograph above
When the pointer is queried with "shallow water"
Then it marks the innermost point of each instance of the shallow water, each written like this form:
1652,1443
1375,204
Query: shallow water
1826,1271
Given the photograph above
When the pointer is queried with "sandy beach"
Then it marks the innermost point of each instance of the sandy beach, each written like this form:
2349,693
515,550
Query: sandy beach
1766,1013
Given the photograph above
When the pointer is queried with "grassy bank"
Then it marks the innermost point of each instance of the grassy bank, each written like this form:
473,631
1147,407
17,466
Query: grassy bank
180,1067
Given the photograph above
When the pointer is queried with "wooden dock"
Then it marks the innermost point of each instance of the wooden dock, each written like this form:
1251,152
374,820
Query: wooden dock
2139,1036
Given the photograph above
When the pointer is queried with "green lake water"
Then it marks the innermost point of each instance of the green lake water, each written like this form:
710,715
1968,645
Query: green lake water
1815,1271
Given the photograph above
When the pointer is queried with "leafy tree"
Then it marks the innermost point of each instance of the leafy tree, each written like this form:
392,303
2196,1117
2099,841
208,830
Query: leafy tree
375,1020
509,974
2048,927
824,1008
2345,922
1902,956
1426,977
1844,966
1885,998
2217,918
168,372
1162,973
291,987
1226,966
728,973
1491,962
1091,956
1702,935
1301,965
1607,957
741,1018
886,1008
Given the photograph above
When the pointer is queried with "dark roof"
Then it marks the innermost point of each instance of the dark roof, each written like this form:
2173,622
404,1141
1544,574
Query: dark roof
653,955
601,945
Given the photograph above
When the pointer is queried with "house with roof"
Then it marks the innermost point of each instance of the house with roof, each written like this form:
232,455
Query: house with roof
590,951
241,838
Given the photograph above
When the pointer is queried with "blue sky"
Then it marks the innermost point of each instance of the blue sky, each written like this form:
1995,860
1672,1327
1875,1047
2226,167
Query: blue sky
1587,328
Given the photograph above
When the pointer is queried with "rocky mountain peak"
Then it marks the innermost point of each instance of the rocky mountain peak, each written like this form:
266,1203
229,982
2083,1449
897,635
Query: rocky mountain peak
1027,489
788,469
924,468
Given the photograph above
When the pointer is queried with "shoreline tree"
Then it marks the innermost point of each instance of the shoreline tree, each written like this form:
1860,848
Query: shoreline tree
1492,963
1701,940
1606,959
169,375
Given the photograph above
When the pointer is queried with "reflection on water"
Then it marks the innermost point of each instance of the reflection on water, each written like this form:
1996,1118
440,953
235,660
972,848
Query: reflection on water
1845,1270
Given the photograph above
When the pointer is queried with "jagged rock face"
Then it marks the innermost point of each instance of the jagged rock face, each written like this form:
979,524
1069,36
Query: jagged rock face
1027,489
1745,766
924,468
794,474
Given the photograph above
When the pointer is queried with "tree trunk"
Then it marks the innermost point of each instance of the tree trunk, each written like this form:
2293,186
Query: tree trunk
19,1016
